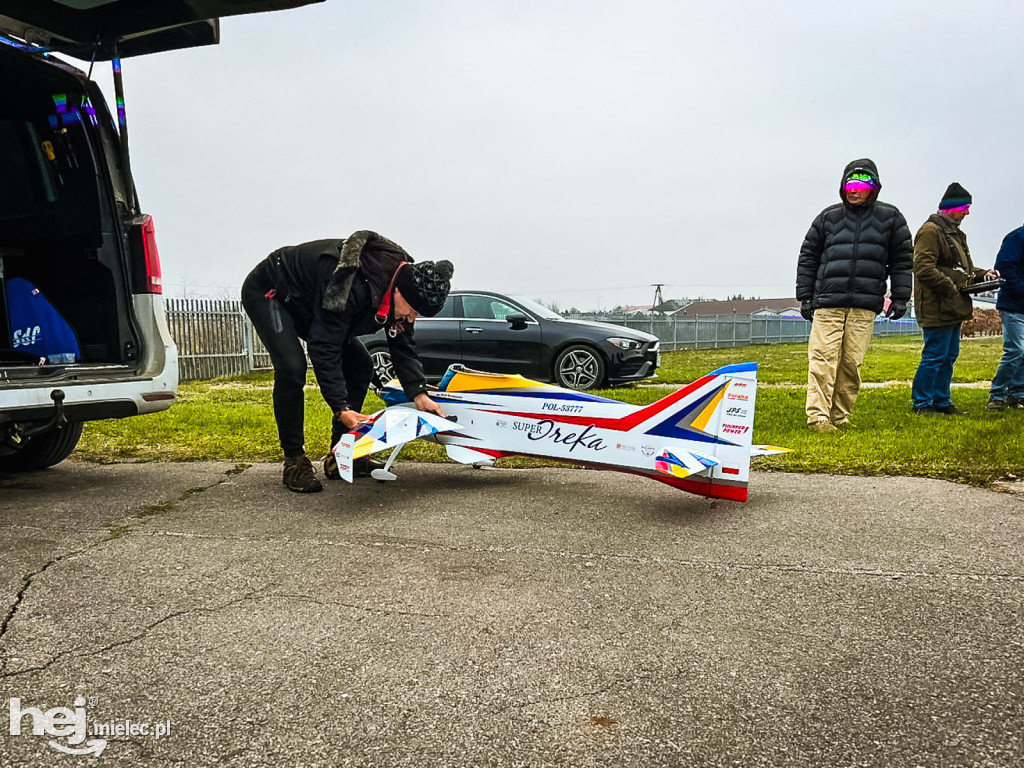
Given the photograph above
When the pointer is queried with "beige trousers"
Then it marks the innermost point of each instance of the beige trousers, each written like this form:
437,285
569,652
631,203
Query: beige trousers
839,340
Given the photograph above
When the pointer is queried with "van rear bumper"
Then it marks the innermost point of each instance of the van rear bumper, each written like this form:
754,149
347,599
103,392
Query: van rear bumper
96,399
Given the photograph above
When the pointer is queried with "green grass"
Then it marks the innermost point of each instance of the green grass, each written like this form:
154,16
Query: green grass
232,419
892,358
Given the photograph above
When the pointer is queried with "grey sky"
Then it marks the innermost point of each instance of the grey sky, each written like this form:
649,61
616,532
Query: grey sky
574,151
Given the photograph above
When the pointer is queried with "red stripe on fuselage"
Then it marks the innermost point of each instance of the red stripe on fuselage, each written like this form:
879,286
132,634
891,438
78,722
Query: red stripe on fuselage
700,486
623,424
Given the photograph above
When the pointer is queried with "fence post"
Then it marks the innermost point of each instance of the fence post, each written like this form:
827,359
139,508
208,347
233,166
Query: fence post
250,352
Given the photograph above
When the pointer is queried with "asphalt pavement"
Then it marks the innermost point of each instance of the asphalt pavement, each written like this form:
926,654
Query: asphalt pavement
201,614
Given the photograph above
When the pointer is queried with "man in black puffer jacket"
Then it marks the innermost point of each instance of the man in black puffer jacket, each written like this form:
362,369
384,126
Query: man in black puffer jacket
328,293
850,252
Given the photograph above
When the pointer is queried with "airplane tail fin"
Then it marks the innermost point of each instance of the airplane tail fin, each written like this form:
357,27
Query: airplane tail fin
701,435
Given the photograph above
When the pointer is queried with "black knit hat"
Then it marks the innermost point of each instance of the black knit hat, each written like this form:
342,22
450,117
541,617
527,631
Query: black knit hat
955,197
425,285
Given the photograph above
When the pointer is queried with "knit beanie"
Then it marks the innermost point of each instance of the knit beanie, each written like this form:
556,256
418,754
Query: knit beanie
425,285
955,197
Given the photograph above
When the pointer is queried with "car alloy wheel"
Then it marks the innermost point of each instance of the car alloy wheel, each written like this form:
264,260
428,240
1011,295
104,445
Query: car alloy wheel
383,370
579,368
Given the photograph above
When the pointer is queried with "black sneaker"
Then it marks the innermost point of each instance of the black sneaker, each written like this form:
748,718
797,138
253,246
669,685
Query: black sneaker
299,475
949,410
1014,402
996,405
924,410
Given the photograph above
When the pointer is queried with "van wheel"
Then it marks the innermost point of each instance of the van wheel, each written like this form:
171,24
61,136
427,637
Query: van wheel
44,450
383,370
579,367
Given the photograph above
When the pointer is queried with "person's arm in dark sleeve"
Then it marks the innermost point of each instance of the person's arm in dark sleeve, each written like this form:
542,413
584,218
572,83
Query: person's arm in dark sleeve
901,261
1010,264
810,260
327,335
926,259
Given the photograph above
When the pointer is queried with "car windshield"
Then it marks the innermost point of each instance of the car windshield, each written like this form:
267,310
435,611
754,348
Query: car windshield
538,309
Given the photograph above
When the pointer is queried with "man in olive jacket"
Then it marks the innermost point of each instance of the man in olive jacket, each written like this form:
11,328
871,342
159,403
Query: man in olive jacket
849,254
942,270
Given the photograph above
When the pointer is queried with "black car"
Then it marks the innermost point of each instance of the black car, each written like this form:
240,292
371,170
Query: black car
509,334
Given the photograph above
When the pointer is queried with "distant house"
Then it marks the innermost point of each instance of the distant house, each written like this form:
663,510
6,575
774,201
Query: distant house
632,309
667,308
786,307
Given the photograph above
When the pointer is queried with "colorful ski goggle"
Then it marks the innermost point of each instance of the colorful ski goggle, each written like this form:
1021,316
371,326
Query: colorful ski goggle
958,209
860,182
858,186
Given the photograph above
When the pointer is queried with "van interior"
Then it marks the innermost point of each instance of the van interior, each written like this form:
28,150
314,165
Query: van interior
65,281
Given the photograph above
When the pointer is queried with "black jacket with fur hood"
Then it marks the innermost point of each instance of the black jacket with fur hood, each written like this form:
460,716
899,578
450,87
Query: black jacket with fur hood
332,290
851,250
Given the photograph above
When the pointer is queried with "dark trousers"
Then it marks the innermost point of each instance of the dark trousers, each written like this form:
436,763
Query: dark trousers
935,371
277,331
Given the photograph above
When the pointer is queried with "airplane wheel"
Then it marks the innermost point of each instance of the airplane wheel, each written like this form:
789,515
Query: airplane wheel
579,367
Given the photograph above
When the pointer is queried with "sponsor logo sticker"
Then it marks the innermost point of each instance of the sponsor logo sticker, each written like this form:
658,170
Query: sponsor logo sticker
735,429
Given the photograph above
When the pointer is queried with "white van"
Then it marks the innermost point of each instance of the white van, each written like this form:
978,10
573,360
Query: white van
83,333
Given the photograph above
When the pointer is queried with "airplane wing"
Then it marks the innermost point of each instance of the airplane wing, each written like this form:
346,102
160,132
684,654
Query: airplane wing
466,455
390,428
767,450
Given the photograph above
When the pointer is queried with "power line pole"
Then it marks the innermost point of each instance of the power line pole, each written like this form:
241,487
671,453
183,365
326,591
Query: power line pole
658,301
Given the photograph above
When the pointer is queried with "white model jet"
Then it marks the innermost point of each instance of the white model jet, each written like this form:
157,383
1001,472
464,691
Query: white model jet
697,439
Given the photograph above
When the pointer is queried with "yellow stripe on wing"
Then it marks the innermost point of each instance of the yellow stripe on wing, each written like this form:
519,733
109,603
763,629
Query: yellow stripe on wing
364,447
472,381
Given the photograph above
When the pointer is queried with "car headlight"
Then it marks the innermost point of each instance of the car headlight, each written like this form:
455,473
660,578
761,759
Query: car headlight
625,343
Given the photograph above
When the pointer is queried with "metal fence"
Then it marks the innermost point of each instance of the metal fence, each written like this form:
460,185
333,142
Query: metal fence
215,337
713,331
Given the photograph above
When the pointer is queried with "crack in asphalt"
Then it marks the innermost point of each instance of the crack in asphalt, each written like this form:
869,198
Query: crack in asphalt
26,582
250,596
385,542
355,607
115,531
125,641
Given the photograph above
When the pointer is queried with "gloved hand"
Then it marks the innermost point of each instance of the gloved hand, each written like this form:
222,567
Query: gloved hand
896,310
806,311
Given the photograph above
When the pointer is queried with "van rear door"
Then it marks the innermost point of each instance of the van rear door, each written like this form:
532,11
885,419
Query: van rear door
82,28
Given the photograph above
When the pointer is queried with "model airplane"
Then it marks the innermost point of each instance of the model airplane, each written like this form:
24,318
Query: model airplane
697,439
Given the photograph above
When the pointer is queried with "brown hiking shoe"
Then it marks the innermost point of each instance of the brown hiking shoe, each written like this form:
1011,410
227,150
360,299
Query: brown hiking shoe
299,475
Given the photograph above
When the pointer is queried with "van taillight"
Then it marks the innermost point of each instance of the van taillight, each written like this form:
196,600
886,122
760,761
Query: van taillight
144,240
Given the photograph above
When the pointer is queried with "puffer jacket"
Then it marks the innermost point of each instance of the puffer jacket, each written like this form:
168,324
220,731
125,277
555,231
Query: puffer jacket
942,268
1010,265
850,252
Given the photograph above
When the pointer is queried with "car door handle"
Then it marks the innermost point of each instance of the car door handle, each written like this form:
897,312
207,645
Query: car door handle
473,329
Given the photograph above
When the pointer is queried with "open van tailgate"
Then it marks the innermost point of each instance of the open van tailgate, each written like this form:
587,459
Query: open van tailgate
137,27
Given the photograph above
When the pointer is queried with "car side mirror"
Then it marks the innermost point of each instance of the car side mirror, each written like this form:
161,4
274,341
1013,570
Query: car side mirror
516,320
